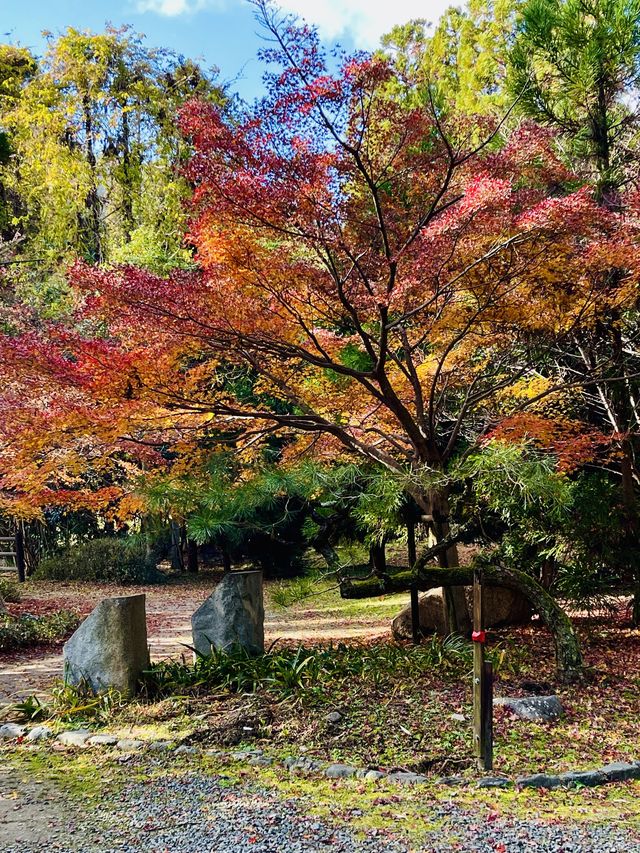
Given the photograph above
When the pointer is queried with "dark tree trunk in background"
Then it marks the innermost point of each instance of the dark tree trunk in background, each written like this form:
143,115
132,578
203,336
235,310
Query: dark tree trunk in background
177,562
226,559
635,608
378,559
548,573
192,556
92,225
20,561
411,543
127,178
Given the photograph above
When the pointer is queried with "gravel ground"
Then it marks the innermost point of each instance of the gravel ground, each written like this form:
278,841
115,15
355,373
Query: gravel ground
197,814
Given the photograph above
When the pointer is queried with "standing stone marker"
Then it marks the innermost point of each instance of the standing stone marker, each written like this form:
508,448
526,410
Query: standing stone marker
233,615
109,649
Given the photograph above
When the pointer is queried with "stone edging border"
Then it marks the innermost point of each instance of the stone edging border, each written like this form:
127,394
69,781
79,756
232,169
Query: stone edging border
618,771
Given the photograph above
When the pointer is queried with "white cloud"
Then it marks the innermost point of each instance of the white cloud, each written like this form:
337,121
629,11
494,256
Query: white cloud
171,8
364,21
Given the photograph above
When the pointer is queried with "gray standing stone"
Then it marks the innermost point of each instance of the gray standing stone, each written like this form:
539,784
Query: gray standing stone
534,708
109,649
233,615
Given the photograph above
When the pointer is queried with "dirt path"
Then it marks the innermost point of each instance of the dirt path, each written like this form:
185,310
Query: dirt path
33,815
169,610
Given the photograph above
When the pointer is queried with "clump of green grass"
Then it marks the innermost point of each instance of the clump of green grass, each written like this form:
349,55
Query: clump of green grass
307,672
72,703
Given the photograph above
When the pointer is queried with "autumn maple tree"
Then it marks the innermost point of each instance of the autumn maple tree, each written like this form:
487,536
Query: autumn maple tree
378,276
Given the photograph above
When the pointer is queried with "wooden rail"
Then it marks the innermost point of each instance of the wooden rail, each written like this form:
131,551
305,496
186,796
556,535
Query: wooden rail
16,554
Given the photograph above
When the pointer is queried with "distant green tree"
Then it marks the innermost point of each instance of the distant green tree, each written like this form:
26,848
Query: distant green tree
91,155
17,66
575,66
465,56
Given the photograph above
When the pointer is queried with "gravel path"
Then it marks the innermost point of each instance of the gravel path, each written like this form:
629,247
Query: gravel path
198,814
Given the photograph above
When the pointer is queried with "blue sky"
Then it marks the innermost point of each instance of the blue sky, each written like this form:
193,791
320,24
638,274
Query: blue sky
222,32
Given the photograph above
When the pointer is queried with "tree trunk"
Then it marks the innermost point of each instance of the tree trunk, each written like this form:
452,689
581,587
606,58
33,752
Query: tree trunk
548,573
568,656
92,201
177,563
635,608
378,559
458,621
226,559
127,177
411,543
192,556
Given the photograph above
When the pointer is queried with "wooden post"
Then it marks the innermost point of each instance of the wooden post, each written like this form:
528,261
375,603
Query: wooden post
482,684
478,672
487,716
20,563
415,604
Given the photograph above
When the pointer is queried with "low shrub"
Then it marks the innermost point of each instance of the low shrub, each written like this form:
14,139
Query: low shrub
110,560
26,630
9,591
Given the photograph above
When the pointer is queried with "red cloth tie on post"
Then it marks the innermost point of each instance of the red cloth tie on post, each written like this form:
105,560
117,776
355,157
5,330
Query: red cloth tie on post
479,636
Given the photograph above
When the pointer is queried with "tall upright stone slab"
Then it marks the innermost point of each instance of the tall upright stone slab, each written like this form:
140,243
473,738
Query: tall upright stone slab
233,615
109,649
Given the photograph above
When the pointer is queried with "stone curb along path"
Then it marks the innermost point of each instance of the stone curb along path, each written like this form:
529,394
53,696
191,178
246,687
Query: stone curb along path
619,771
